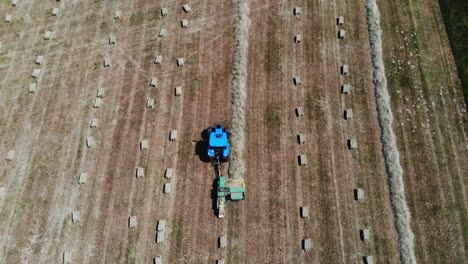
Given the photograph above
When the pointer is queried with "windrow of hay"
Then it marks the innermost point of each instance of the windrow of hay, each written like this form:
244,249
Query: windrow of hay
239,90
390,150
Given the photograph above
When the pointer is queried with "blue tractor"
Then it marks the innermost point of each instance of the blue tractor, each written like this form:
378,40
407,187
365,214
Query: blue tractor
218,143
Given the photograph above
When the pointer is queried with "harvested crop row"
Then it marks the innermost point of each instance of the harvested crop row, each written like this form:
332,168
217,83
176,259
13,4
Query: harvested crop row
390,150
239,90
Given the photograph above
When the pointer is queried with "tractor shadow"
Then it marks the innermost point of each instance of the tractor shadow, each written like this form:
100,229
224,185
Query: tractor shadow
201,150
214,197
201,147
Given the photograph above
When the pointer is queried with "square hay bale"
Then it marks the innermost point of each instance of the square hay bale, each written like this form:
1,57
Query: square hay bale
117,14
8,18
139,172
345,88
157,260
75,217
154,82
55,11
10,155
368,260
94,123
47,35
173,135
132,221
297,80
39,60
178,91
184,23
100,92
107,62
162,32
161,225
340,20
364,234
32,88
164,11
36,73
160,236
97,102
302,160
169,173
66,258
186,8
180,62
359,194
299,111
348,114
341,33
83,178
305,211
298,38
301,139
352,143
112,39
144,144
220,261
150,103
14,2
297,11
307,244
167,188
345,69
90,143
158,59
222,242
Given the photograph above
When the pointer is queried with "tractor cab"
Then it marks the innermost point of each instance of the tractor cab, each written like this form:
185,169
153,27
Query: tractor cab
218,143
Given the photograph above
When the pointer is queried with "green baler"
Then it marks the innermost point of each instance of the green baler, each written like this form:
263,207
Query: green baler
228,190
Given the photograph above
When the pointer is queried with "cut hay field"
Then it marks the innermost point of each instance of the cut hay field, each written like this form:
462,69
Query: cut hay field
46,134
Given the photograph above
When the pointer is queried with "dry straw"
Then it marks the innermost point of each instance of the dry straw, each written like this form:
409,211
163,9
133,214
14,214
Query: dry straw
239,90
390,150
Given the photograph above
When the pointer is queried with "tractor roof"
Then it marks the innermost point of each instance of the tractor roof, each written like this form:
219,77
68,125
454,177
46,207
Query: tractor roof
218,138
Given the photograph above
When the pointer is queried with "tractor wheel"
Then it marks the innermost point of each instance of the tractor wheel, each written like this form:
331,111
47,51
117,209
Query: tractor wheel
228,132
210,129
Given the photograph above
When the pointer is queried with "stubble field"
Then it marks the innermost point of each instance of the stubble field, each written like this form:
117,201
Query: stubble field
39,188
